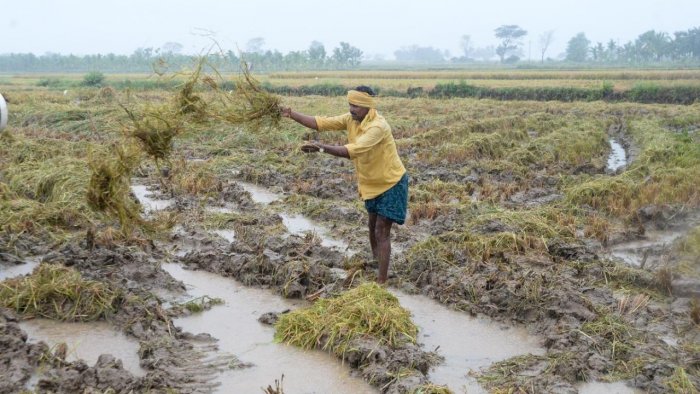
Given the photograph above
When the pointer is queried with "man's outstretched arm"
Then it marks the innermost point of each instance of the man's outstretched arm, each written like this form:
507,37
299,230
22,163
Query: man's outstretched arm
335,150
306,120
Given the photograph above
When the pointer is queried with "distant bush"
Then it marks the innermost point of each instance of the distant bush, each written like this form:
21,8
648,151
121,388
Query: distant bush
146,84
49,82
94,78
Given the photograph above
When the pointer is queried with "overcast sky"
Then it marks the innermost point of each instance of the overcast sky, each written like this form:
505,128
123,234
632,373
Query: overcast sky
374,26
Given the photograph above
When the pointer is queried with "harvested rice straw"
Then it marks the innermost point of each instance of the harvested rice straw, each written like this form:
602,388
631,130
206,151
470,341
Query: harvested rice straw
109,185
332,324
155,129
60,293
189,103
250,104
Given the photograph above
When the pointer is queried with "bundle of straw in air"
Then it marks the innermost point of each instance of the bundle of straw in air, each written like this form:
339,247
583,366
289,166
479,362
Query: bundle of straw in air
249,104
60,293
332,324
189,103
109,186
155,129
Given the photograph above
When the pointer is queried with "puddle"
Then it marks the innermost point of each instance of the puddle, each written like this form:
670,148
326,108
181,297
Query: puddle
149,204
669,340
228,235
608,388
224,209
12,271
618,156
259,194
297,224
235,325
86,341
647,250
465,342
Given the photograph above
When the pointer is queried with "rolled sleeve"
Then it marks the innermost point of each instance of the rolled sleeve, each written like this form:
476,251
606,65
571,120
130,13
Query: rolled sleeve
365,142
330,123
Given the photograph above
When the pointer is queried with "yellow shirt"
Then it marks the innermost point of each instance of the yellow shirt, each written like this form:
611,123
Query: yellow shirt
372,149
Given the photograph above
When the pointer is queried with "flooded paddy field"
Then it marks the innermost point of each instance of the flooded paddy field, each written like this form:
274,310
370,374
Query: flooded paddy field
550,247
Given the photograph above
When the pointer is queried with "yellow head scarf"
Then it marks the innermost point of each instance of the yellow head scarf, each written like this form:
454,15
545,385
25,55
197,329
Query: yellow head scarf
361,99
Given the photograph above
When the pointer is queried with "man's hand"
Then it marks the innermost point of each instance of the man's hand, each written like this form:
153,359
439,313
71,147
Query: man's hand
311,148
286,112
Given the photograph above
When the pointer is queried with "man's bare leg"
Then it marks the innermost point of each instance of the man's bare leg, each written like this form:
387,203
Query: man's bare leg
372,239
382,234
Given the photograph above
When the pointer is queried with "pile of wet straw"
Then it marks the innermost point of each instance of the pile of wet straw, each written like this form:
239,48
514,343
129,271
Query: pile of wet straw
59,293
332,324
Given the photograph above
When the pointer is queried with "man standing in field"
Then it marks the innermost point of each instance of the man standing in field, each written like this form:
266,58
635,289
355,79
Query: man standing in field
381,176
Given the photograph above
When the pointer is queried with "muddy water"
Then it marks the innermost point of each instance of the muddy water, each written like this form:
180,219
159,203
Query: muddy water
235,325
224,209
467,343
608,388
618,156
228,235
12,271
149,204
260,194
646,250
297,224
86,341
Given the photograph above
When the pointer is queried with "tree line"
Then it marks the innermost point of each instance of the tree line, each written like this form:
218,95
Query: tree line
648,48
345,56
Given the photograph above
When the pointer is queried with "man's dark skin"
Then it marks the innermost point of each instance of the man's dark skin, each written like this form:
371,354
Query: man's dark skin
379,226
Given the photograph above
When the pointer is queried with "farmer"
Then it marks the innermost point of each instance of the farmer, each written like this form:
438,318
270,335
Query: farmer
381,177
